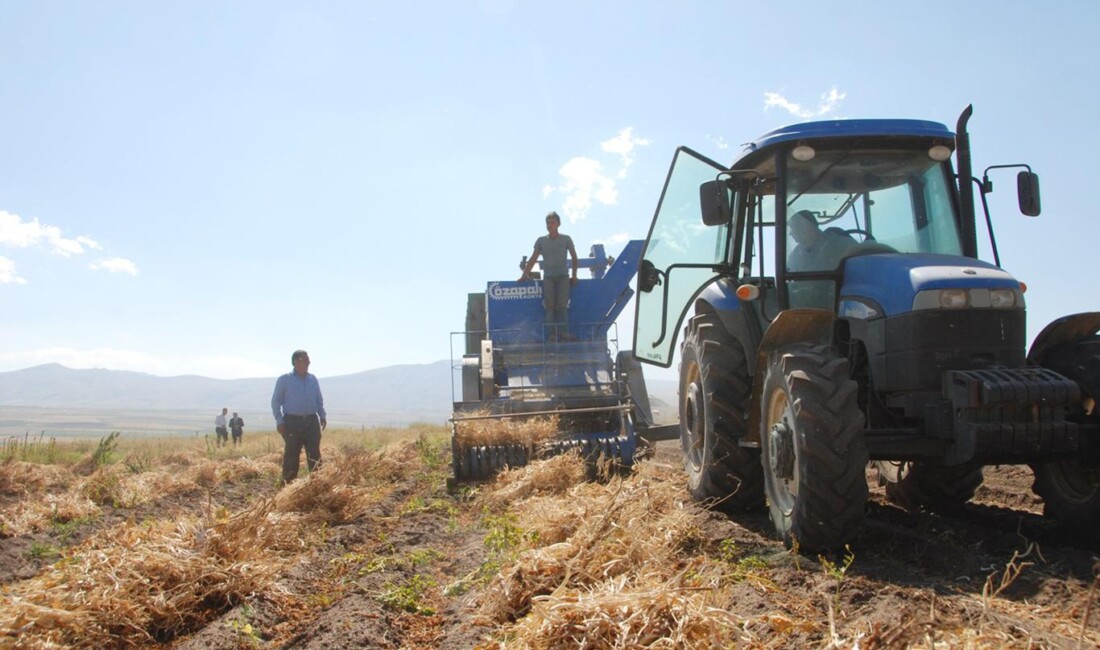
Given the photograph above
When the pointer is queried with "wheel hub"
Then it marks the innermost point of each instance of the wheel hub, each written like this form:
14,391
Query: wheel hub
694,424
781,450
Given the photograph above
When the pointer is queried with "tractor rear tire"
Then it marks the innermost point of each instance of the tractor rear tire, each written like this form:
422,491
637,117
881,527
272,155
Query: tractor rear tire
814,455
715,386
1070,490
916,485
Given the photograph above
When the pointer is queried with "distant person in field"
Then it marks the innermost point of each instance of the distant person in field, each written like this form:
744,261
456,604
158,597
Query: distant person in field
236,427
221,434
554,247
299,412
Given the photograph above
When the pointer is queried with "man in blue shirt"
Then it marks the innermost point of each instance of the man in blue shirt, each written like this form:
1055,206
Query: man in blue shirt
299,413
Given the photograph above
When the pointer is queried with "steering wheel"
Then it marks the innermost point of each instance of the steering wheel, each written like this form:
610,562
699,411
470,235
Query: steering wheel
860,231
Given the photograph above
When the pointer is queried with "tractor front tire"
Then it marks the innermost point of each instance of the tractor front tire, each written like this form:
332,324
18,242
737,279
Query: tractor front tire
1071,490
715,386
814,456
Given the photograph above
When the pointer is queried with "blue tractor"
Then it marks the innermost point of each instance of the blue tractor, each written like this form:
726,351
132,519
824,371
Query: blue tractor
513,369
837,314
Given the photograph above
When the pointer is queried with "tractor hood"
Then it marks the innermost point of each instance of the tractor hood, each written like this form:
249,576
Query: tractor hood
892,280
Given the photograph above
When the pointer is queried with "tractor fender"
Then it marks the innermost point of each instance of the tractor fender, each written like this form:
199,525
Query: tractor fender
790,326
1063,330
719,298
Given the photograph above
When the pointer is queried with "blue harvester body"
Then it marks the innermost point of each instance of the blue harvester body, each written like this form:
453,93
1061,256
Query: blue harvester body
510,370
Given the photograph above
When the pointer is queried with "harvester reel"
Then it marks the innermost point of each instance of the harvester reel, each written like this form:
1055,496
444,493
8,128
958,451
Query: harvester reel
482,462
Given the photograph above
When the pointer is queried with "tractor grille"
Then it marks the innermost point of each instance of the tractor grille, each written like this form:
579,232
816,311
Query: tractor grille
920,346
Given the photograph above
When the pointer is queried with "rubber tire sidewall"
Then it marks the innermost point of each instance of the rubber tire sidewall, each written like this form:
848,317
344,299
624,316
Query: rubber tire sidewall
728,476
934,487
830,452
1070,491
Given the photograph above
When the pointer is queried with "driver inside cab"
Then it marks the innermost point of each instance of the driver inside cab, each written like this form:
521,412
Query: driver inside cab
816,250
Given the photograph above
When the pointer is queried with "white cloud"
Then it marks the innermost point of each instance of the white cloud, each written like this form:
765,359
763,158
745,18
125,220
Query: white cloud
8,274
718,141
220,367
17,233
585,182
114,265
830,101
624,144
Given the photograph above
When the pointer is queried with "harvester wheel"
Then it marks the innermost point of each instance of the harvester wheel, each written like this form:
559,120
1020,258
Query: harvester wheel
714,392
1071,490
914,485
814,456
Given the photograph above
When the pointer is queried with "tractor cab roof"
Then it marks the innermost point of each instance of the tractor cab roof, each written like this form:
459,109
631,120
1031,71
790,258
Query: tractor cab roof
843,129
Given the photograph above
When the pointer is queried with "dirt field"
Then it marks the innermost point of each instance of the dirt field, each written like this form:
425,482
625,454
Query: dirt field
373,551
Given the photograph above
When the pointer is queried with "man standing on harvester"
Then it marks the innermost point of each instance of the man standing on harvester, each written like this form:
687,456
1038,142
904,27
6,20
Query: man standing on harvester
556,281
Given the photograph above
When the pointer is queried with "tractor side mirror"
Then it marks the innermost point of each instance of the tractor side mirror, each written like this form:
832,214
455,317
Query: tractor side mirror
1027,191
714,202
648,277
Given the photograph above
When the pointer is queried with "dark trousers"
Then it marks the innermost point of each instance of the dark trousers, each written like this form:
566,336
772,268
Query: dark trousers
555,299
301,431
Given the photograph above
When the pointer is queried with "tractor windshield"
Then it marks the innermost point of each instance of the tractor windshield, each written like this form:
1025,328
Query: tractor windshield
900,199
842,203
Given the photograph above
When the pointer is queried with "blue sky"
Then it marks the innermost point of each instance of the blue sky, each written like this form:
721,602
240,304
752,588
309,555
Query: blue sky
202,187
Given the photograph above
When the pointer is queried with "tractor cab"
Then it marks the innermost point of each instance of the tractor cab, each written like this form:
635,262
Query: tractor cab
786,219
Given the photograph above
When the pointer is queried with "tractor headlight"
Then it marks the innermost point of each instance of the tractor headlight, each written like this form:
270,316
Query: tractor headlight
1002,298
977,298
954,298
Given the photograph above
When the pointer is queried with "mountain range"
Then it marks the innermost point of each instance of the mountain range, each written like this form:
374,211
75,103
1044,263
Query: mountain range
55,400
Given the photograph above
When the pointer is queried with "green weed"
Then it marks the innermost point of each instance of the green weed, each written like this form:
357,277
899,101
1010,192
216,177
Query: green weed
43,551
408,595
431,453
247,635
837,572
105,449
32,450
503,535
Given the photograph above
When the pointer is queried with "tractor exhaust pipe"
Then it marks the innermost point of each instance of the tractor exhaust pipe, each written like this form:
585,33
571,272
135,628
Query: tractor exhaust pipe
966,184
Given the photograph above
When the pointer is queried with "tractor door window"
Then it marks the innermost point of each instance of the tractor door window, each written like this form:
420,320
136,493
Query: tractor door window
683,250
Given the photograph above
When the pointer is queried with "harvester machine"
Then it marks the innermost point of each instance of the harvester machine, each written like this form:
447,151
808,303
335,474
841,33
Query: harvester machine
530,392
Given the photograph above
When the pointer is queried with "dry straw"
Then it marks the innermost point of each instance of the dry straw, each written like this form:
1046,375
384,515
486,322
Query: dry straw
554,476
608,571
39,514
21,478
477,429
138,584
